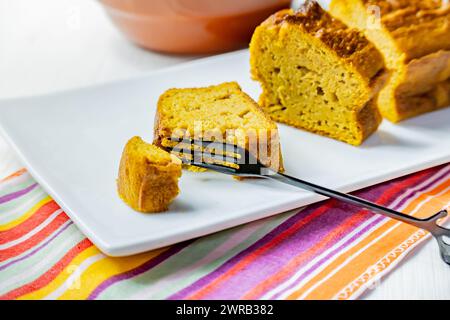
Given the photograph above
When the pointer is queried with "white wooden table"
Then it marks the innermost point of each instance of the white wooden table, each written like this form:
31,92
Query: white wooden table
51,45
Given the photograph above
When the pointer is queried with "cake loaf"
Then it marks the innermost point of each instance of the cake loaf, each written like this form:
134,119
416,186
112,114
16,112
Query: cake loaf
218,113
414,38
317,74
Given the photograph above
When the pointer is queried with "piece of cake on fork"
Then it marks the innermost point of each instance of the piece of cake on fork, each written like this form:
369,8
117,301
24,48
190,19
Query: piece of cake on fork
317,74
222,113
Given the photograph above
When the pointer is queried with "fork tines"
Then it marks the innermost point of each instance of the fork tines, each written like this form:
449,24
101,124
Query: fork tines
208,153
210,145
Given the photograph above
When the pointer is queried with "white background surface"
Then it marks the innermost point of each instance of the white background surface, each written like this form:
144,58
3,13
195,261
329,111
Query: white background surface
50,45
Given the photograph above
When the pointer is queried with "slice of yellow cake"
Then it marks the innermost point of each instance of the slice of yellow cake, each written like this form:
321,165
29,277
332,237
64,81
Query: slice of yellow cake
148,176
218,113
317,74
414,38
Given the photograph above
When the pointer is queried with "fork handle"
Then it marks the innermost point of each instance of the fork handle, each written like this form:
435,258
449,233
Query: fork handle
428,224
441,234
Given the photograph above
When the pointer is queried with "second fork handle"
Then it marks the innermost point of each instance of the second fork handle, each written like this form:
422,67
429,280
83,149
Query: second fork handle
347,198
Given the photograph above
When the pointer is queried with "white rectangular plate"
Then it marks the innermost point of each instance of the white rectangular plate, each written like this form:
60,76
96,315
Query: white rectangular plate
71,142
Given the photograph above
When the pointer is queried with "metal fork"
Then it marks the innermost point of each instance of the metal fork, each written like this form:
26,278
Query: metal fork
236,161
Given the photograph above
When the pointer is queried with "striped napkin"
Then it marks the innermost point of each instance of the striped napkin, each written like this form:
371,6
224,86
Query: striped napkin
324,251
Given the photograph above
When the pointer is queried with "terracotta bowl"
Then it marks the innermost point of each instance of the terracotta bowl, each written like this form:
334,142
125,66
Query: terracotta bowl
190,26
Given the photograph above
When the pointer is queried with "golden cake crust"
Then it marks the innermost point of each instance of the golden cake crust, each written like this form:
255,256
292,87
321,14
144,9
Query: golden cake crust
333,33
148,176
414,37
418,27
298,57
349,44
